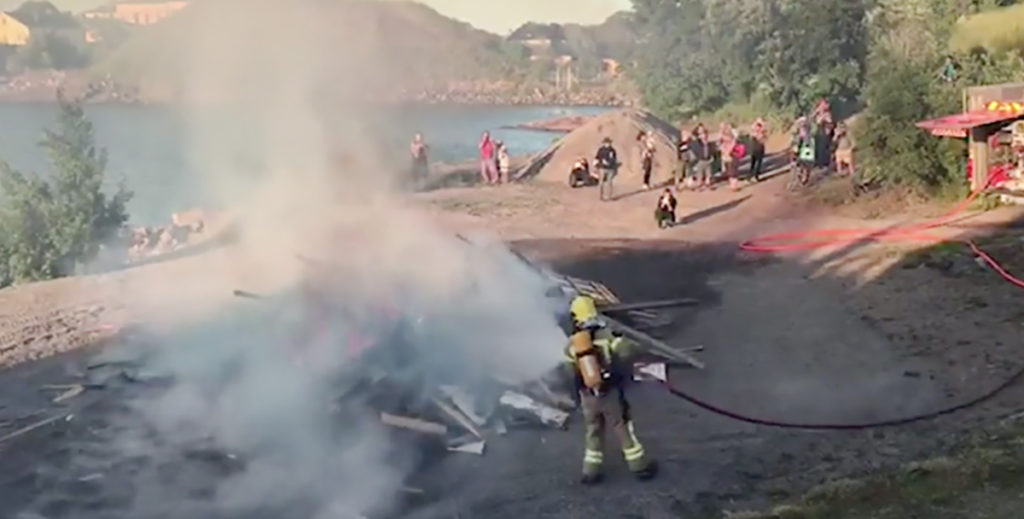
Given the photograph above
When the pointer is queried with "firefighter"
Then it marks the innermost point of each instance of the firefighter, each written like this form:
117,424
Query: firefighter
597,357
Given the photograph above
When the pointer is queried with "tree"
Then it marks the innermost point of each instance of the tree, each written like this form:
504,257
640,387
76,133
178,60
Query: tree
904,86
49,50
51,227
698,55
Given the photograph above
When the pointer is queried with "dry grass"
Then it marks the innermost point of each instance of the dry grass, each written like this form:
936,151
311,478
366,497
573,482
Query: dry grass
996,30
983,481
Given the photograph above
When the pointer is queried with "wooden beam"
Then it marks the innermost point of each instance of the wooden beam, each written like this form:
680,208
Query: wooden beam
29,428
649,305
413,424
654,344
457,417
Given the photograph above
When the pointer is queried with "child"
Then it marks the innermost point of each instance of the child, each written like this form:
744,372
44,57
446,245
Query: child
504,162
665,213
843,151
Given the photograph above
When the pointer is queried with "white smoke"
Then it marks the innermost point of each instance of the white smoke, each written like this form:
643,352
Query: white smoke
294,85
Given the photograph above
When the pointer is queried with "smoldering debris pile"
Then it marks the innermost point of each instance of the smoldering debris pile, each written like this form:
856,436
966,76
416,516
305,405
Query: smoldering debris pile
458,418
463,413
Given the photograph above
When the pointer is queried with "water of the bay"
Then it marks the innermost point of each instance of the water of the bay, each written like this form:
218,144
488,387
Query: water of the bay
149,148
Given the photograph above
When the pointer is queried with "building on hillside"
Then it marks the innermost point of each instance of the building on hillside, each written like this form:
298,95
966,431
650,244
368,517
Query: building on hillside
12,31
138,12
564,75
540,39
35,18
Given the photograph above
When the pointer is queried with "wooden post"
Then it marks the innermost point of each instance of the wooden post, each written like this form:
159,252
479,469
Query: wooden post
979,155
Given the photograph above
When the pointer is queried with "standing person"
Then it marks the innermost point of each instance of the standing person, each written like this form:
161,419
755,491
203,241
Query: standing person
700,149
488,166
597,361
822,132
504,162
844,151
606,161
727,145
420,167
647,148
758,133
684,159
665,212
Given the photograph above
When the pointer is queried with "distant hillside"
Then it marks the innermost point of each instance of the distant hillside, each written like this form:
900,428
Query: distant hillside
75,6
416,44
614,38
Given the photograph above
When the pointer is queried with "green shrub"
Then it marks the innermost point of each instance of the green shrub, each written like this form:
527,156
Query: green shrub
51,226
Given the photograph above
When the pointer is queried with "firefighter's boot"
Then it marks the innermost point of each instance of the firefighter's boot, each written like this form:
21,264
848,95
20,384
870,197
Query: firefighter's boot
648,472
592,461
636,456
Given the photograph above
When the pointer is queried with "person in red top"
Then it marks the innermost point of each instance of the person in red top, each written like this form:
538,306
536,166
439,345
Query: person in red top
728,146
488,165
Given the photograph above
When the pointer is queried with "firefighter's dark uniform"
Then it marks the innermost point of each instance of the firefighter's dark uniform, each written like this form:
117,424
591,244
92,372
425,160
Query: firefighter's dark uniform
606,407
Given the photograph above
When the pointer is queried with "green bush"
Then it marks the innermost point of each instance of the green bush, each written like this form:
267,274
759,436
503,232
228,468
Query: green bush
52,226
901,92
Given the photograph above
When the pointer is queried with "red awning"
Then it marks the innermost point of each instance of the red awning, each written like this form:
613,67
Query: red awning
957,125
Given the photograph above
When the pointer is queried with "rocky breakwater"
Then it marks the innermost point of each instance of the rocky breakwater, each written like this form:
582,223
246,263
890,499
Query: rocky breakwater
555,125
511,93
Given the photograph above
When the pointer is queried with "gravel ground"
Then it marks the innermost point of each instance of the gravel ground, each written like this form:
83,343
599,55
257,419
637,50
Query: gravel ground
780,344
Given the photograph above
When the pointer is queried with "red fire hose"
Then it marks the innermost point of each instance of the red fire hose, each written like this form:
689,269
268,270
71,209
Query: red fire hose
807,240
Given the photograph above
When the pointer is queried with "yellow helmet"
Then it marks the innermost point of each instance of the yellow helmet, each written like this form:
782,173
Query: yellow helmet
583,310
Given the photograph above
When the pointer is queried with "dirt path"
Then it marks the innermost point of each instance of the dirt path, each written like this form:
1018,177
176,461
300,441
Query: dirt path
836,335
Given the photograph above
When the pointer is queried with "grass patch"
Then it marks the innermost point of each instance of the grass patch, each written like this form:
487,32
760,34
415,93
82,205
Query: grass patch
997,30
984,480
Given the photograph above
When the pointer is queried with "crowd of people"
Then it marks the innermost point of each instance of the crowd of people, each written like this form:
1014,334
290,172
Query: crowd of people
495,160
701,161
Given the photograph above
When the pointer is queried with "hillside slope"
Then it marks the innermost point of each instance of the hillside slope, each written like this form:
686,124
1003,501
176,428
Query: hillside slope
416,45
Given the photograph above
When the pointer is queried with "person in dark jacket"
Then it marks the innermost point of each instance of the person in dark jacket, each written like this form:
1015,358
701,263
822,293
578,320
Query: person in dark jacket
684,159
665,212
703,156
607,163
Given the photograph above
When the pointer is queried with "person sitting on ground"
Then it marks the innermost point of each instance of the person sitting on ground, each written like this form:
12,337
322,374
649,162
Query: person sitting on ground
581,176
665,212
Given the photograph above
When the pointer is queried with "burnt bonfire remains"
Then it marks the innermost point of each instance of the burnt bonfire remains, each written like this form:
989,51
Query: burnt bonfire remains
401,375
462,416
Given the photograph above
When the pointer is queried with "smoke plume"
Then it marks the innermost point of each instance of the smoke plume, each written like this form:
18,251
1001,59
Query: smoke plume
322,219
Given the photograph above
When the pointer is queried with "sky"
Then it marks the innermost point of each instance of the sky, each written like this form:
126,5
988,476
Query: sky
498,16
502,16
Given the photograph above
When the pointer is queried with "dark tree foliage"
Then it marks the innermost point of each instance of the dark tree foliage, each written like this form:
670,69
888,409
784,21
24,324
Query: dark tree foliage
697,55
